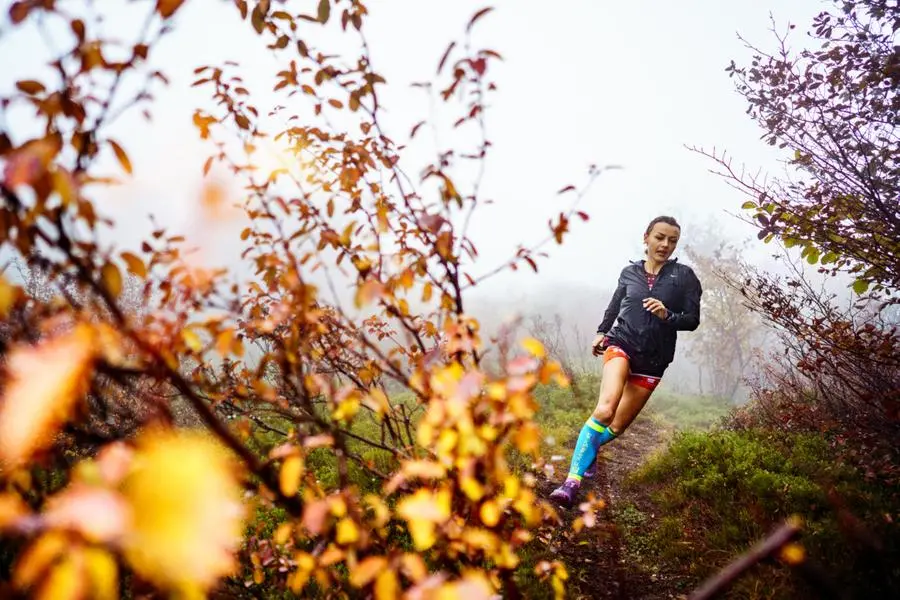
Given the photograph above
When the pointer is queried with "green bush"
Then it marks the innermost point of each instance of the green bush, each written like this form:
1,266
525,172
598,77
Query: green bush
717,493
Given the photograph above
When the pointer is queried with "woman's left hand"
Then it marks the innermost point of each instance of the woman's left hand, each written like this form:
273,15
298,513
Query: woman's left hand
656,307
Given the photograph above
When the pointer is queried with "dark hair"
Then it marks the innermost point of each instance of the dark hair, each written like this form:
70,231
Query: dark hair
662,219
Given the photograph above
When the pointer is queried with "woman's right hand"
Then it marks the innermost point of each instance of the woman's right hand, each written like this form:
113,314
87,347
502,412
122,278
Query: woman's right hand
598,345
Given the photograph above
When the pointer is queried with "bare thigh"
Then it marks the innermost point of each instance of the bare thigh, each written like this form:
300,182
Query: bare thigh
615,374
634,397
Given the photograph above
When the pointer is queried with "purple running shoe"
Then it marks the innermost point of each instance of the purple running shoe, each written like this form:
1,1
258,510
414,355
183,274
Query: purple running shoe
566,493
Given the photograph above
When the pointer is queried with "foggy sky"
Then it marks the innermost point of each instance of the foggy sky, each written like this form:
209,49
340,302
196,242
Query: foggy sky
625,83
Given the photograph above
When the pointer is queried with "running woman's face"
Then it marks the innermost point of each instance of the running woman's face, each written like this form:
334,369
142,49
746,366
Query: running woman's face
661,241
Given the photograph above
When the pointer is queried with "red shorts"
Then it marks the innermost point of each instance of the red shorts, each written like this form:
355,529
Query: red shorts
648,382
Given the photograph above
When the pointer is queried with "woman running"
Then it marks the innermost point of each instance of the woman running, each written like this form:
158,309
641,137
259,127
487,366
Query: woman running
655,298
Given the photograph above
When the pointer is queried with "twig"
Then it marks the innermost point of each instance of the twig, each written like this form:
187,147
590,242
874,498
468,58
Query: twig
764,549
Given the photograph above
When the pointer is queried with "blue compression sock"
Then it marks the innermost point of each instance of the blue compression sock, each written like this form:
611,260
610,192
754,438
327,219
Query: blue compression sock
593,435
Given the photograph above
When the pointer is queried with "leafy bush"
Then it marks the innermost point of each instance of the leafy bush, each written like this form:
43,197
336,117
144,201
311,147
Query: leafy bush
717,493
238,425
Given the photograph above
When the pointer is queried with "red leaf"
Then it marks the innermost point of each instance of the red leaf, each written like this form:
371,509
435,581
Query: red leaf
477,16
446,56
415,128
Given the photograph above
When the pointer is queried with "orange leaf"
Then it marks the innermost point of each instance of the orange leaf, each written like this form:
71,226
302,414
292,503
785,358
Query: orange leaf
367,570
368,291
30,87
112,279
121,156
11,509
386,586
167,8
135,264
45,382
38,557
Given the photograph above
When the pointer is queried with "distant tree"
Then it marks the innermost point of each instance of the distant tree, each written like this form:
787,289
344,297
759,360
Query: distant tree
723,346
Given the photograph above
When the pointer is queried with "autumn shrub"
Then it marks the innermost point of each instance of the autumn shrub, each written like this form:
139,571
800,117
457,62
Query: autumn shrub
715,494
325,425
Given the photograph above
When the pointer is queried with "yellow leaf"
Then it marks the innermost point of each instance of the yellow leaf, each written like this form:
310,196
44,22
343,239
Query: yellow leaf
490,513
386,586
135,264
426,292
283,533
167,8
65,581
121,156
534,347
496,391
188,516
471,488
421,511
112,279
192,340
338,506
347,408
305,565
422,533
289,477
347,531
45,382
102,574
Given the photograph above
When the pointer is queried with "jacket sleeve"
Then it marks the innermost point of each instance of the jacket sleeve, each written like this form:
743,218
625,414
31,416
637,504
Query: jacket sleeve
689,318
612,311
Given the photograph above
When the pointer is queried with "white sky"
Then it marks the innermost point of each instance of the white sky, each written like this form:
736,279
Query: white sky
583,81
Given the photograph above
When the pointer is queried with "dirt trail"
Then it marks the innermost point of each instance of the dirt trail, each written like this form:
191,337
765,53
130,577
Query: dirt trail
596,557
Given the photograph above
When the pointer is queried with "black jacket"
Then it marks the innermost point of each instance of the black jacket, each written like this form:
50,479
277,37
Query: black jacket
644,336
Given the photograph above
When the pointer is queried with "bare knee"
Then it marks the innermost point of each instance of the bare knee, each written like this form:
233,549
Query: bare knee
605,411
